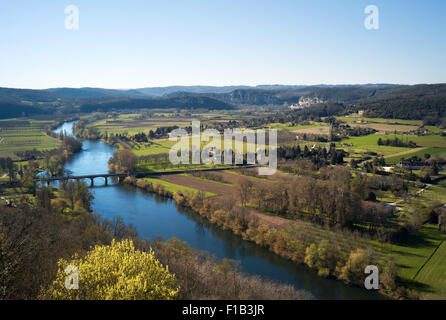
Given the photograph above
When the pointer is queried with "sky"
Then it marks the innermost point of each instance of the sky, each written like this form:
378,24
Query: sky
134,44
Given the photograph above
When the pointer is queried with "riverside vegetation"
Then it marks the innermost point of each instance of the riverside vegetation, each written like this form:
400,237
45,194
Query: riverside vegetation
339,258
43,234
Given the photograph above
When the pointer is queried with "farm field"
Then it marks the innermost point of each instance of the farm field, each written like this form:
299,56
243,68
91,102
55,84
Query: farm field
387,128
212,188
417,152
370,143
134,126
174,187
163,146
156,147
414,251
436,192
352,119
433,274
319,130
434,129
21,135
289,126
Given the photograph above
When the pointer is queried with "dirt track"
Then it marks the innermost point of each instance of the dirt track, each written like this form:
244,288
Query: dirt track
405,152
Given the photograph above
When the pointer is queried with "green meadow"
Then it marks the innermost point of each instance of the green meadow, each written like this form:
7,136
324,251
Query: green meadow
433,151
370,143
433,275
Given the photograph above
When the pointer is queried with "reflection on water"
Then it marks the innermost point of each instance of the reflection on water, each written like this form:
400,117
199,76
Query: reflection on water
157,217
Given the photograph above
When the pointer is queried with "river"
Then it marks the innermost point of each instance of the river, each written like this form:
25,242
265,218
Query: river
157,217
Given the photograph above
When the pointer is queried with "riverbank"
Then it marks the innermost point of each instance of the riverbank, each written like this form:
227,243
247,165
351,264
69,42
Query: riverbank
277,240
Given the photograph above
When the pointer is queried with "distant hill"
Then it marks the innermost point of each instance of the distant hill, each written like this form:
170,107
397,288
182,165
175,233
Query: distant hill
186,102
20,96
406,102
160,91
94,92
377,100
278,95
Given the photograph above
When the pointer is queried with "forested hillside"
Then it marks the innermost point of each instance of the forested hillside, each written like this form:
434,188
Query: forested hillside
422,102
12,110
409,102
179,102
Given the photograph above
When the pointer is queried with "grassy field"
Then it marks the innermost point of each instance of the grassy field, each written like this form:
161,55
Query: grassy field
157,147
414,251
319,130
436,192
370,143
433,274
433,129
433,151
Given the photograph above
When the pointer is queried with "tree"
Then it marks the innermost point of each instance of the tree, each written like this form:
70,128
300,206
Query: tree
123,161
55,165
115,272
71,144
311,256
28,176
5,265
82,194
77,193
326,254
425,173
10,168
321,257
388,275
244,189
353,271
43,197
68,192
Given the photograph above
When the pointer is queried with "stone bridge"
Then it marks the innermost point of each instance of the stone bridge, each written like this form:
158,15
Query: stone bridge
121,176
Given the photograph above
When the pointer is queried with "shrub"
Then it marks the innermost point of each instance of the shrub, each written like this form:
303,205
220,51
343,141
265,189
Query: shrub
115,271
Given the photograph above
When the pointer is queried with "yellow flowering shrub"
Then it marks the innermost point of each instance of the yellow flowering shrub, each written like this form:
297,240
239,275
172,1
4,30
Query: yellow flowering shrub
112,272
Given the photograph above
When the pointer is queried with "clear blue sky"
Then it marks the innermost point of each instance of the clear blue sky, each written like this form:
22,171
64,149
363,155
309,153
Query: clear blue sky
129,44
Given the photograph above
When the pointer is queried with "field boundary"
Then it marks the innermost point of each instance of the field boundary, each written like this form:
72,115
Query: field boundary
427,260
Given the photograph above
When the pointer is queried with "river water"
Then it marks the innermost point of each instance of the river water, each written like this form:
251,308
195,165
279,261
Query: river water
157,217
